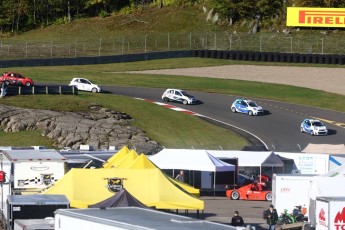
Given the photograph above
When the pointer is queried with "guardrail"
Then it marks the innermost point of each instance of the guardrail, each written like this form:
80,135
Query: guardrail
32,90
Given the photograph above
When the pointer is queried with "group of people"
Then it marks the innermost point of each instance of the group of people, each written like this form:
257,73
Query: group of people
270,215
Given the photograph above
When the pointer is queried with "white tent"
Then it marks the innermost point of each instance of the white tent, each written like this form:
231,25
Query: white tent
190,159
336,172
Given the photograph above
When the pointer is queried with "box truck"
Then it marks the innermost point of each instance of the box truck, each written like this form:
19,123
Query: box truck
291,190
330,213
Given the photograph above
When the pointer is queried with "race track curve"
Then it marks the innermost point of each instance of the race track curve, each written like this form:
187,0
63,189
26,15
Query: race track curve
278,128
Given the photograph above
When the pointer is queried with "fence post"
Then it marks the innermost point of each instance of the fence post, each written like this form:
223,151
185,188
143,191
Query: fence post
206,42
190,40
168,41
230,41
33,89
19,90
75,49
100,47
123,44
26,49
51,49
145,43
60,90
215,41
322,45
291,45
47,92
260,42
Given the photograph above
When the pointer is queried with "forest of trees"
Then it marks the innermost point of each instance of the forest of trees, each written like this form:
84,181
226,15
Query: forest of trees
23,15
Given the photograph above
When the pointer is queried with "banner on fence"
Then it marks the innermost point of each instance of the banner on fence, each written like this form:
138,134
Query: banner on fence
315,17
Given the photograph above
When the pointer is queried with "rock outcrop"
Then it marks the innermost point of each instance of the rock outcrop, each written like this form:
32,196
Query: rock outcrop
99,127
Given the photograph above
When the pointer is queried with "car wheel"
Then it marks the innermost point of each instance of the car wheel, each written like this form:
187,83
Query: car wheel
250,113
302,131
94,90
233,109
185,102
312,132
235,195
268,196
27,84
166,99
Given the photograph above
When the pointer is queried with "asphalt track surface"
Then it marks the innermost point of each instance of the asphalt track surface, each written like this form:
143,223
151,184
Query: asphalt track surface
278,129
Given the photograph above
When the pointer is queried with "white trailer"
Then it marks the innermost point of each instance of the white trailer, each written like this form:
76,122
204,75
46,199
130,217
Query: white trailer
290,190
28,171
129,218
330,213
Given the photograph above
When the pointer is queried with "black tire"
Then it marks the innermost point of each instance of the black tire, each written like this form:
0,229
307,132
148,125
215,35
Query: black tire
27,84
235,195
302,131
268,196
312,133
94,90
250,113
185,102
233,109
166,99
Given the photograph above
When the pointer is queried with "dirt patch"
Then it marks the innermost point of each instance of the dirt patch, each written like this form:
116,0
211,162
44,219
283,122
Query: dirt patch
320,78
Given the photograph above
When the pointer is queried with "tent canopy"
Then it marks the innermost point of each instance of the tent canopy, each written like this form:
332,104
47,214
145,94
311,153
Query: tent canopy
250,159
84,187
121,199
187,159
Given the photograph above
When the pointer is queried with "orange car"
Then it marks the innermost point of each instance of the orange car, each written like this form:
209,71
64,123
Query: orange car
253,191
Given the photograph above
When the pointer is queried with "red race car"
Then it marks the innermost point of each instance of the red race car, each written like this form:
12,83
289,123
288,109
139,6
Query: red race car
253,191
16,79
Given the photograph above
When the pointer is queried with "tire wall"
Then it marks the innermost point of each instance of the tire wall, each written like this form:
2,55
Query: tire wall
334,59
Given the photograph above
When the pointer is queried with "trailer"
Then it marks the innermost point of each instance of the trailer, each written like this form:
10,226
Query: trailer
330,213
28,171
129,218
290,190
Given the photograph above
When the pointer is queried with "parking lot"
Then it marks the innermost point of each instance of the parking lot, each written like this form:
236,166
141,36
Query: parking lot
220,209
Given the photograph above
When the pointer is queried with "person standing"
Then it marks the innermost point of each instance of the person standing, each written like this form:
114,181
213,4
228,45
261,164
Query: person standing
271,217
237,220
180,177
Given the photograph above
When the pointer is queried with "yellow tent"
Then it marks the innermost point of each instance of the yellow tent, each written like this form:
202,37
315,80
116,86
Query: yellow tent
142,162
126,161
84,187
116,157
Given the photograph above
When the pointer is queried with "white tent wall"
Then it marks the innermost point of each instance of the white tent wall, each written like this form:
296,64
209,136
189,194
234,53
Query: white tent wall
194,160
336,160
308,163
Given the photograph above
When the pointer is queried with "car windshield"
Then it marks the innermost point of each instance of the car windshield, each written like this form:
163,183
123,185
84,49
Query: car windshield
185,94
318,123
252,104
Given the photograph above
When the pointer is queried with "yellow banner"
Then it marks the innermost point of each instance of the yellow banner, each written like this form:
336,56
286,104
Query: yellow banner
315,17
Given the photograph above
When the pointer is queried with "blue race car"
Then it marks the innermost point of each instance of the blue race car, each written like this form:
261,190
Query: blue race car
246,106
313,127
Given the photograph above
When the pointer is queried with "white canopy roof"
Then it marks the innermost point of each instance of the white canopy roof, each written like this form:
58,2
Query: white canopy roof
327,186
190,159
250,158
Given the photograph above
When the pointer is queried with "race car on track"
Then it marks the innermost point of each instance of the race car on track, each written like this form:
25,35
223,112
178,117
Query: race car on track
85,85
12,78
313,127
246,106
178,95
253,191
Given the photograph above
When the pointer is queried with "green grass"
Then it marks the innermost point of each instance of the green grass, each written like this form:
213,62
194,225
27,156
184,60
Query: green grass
109,75
169,128
25,139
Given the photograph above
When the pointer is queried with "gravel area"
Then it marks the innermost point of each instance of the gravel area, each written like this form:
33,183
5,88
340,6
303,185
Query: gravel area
320,78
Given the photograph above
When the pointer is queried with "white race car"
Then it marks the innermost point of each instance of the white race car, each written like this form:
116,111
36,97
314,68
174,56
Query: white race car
313,127
246,106
85,85
178,95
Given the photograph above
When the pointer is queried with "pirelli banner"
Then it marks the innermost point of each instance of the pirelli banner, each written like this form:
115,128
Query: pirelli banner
315,17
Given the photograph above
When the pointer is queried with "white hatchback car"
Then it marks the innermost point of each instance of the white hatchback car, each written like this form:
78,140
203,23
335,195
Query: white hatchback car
85,85
178,95
313,127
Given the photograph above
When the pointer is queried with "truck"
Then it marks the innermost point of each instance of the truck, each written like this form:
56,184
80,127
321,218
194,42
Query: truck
291,190
330,213
28,171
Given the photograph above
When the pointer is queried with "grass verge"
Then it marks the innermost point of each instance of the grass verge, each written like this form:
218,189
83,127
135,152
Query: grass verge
169,128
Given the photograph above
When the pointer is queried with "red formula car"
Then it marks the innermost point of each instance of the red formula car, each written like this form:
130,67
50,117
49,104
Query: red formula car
253,191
